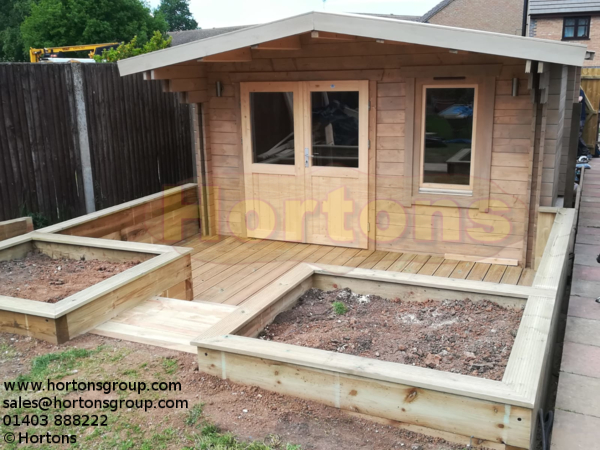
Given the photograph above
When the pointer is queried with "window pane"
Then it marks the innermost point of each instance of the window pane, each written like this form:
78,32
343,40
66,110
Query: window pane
583,21
272,121
582,31
335,128
570,22
569,31
448,135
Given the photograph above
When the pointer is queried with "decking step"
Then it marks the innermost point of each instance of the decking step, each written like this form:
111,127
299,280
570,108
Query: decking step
164,322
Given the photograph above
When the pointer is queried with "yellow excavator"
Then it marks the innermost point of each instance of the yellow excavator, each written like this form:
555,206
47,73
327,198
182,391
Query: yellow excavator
50,54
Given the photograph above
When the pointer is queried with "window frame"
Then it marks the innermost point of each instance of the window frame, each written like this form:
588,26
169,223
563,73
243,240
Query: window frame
434,188
576,27
478,197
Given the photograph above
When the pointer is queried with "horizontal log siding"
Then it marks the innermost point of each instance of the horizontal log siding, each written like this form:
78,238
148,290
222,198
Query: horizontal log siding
511,172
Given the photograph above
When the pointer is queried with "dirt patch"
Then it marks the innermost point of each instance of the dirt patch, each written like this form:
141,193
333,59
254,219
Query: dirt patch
251,414
41,278
460,336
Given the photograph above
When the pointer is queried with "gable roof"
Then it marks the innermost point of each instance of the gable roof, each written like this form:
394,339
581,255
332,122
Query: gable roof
364,26
537,7
436,9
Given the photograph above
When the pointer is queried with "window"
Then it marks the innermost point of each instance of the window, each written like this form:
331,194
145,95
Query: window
334,131
448,136
272,121
576,28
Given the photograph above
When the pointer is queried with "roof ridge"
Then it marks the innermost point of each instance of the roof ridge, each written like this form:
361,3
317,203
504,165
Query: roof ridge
436,9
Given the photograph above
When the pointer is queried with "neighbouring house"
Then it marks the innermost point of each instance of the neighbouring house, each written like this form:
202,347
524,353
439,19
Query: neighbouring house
575,21
499,16
375,133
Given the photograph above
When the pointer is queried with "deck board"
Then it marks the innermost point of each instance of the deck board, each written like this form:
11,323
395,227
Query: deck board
232,285
431,266
372,260
462,270
402,262
527,277
389,259
230,270
446,268
512,275
253,257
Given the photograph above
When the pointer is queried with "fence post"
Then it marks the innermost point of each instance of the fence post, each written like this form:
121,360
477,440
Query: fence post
84,142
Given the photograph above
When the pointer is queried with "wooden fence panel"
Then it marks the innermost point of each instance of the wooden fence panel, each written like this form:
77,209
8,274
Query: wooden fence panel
139,138
590,82
39,166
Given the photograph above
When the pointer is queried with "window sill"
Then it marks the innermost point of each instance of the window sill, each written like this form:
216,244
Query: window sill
575,39
457,192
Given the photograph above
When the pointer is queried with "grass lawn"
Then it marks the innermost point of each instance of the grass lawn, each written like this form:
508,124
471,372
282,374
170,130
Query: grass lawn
126,429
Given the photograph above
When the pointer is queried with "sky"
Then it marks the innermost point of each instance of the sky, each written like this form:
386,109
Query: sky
223,13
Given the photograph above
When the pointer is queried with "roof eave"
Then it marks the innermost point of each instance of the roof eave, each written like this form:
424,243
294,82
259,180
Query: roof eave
460,39
217,44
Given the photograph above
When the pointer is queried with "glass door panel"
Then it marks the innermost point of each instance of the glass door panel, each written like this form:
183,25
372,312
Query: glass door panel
335,125
272,122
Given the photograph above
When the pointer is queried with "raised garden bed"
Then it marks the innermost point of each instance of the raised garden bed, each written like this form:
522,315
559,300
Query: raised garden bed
458,336
467,409
39,277
137,272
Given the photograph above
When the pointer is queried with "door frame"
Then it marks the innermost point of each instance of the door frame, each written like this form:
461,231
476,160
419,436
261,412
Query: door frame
303,138
250,167
358,175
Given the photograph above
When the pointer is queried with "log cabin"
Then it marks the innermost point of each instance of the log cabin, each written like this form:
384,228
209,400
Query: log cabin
373,133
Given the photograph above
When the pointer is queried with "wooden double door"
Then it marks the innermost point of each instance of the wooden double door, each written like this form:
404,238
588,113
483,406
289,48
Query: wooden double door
305,148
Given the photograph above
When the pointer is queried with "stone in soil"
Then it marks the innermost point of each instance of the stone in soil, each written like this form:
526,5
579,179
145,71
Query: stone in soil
460,336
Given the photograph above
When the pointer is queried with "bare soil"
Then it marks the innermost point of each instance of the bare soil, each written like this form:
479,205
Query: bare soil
460,336
251,414
41,278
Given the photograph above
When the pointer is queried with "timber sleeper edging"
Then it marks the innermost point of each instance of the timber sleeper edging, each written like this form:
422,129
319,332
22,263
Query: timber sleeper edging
160,269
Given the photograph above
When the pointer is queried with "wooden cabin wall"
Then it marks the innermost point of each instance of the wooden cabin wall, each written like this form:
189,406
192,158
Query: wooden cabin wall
572,98
381,63
510,180
553,145
548,144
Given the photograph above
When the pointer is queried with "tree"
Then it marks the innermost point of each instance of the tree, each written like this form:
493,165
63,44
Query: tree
12,14
177,14
72,22
132,48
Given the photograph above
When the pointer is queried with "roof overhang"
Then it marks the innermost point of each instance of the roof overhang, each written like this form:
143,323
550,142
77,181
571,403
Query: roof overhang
369,27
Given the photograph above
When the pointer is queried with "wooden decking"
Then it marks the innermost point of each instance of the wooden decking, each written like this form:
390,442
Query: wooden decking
228,270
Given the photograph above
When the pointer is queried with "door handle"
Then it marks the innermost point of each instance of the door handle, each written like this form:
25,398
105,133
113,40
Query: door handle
306,157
